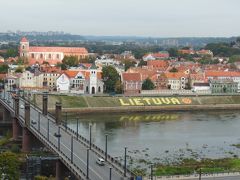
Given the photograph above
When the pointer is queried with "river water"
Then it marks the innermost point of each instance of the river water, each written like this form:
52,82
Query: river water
165,137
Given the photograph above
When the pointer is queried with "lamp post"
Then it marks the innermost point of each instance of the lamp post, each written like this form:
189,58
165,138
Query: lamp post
200,174
151,171
106,147
66,120
110,173
90,137
77,128
87,163
125,161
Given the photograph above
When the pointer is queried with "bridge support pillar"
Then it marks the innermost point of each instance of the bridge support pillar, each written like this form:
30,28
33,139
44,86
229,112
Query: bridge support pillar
61,171
26,140
16,128
27,114
58,112
45,104
16,105
6,115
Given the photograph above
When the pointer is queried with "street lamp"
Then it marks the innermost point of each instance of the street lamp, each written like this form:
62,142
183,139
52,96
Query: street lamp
90,136
151,171
110,173
87,163
125,161
106,147
200,174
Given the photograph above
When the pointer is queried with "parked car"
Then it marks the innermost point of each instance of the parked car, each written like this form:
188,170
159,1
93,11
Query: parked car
100,161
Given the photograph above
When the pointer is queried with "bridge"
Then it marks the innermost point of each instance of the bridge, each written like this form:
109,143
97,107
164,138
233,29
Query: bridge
75,152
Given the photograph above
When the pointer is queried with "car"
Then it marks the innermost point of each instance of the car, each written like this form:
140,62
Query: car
100,161
22,106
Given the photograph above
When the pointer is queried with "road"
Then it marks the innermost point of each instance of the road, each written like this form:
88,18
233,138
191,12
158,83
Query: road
40,124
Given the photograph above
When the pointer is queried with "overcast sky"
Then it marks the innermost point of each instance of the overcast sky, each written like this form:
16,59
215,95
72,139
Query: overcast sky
161,18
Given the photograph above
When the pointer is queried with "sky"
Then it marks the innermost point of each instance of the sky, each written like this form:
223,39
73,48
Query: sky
151,18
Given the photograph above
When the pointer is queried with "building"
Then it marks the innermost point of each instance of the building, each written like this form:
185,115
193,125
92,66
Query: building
52,55
154,56
224,75
132,83
160,65
80,81
200,87
223,86
177,81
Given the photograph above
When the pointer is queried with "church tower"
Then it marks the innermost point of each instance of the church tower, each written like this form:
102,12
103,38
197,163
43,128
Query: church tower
93,80
24,48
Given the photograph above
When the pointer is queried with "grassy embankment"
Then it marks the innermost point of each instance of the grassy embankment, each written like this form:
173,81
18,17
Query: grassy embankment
87,101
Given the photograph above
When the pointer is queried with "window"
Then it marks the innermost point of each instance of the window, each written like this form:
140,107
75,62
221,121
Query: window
41,56
32,55
49,56
58,56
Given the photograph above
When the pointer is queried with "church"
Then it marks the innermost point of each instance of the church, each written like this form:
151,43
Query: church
52,55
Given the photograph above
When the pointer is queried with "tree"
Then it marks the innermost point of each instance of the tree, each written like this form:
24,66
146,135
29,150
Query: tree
110,77
147,84
9,166
19,70
129,64
118,87
173,70
173,52
4,68
142,63
70,60
234,58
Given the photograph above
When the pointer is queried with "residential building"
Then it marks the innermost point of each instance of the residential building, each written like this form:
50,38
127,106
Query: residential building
223,86
132,83
177,81
154,56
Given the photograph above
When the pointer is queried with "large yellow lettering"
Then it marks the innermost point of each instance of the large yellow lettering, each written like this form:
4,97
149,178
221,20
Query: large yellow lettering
131,102
123,103
156,101
147,100
165,101
138,102
175,101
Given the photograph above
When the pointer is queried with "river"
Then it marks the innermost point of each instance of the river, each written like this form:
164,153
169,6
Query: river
165,137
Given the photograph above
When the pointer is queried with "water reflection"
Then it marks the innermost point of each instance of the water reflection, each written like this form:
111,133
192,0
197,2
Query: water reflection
206,133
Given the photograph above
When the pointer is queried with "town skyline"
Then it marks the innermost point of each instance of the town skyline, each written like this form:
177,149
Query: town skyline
161,18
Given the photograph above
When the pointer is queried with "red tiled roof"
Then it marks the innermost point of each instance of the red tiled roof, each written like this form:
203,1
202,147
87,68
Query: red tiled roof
24,39
157,63
131,77
222,74
72,50
176,75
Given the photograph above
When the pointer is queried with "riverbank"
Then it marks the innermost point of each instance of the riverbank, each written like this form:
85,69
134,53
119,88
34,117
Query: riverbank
100,104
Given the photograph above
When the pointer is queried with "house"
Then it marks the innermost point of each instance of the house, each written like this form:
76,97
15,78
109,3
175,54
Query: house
160,65
11,81
52,55
1,59
223,86
221,75
154,56
204,52
186,51
177,81
132,83
160,81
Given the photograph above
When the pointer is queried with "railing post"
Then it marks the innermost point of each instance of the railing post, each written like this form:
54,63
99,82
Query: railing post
27,114
110,174
66,120
45,104
58,112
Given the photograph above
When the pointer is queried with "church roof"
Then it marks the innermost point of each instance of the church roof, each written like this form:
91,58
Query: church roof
24,39
58,49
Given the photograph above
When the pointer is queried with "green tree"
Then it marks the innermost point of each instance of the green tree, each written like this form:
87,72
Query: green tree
9,166
11,53
4,68
129,64
70,60
142,63
110,78
173,70
234,59
118,87
147,84
173,52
